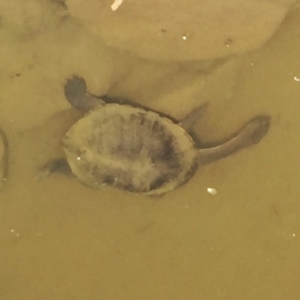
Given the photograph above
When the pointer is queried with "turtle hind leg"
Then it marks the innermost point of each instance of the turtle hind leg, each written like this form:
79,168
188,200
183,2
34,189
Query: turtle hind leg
192,117
59,165
77,95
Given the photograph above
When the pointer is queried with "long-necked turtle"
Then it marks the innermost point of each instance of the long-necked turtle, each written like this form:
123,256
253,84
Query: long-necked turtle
137,149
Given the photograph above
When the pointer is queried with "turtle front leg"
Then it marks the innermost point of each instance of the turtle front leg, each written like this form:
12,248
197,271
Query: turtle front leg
77,95
192,117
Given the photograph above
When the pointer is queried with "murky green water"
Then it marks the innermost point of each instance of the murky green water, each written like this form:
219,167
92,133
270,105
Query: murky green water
61,240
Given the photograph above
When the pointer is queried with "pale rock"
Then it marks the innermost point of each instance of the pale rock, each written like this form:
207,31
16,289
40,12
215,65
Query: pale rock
182,29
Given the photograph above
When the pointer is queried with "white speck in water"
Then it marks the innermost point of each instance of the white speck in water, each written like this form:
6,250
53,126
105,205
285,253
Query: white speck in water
296,78
294,234
116,5
184,37
212,191
78,157
14,232
228,42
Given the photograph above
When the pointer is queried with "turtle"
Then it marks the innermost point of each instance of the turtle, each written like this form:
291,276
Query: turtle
137,149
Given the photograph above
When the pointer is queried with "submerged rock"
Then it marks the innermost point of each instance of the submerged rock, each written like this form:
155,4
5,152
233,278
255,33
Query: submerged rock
182,29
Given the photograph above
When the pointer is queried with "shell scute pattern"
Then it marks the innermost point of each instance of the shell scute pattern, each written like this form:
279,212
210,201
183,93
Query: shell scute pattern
141,161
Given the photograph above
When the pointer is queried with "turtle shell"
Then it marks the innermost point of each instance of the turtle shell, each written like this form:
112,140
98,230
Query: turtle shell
130,149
